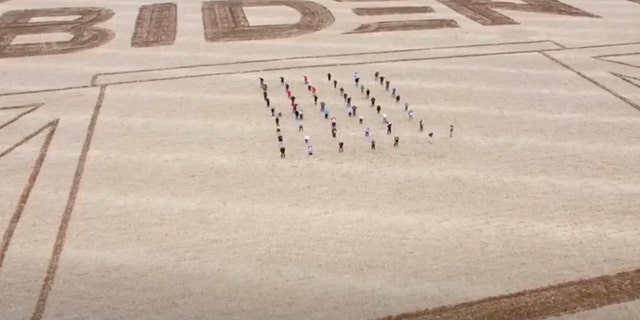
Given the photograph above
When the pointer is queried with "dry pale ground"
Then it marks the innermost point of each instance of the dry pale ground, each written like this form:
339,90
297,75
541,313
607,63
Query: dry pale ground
186,211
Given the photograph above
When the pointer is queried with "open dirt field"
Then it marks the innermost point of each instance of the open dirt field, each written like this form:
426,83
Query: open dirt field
141,178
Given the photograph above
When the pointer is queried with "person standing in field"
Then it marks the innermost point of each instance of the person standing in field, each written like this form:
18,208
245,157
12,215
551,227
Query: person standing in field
356,78
282,155
386,85
315,100
306,79
300,126
373,144
342,91
329,77
376,75
334,131
396,141
261,82
430,137
373,102
335,84
397,98
410,115
268,102
406,106
322,106
393,92
341,147
326,113
389,128
361,120
310,150
273,111
381,80
354,108
277,121
362,88
421,125
450,131
366,132
378,108
333,122
368,92
306,139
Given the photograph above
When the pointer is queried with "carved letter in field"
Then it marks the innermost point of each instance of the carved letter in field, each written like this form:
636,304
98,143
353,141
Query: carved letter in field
400,25
482,11
155,25
84,35
226,21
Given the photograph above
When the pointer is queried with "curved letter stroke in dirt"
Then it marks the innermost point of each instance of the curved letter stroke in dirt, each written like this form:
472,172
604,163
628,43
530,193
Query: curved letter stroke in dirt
85,36
482,11
226,21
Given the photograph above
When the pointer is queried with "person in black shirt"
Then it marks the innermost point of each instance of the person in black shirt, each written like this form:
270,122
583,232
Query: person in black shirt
389,128
396,140
340,146
282,155
378,108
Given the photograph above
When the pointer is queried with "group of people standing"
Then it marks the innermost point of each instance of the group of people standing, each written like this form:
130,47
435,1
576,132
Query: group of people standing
352,110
